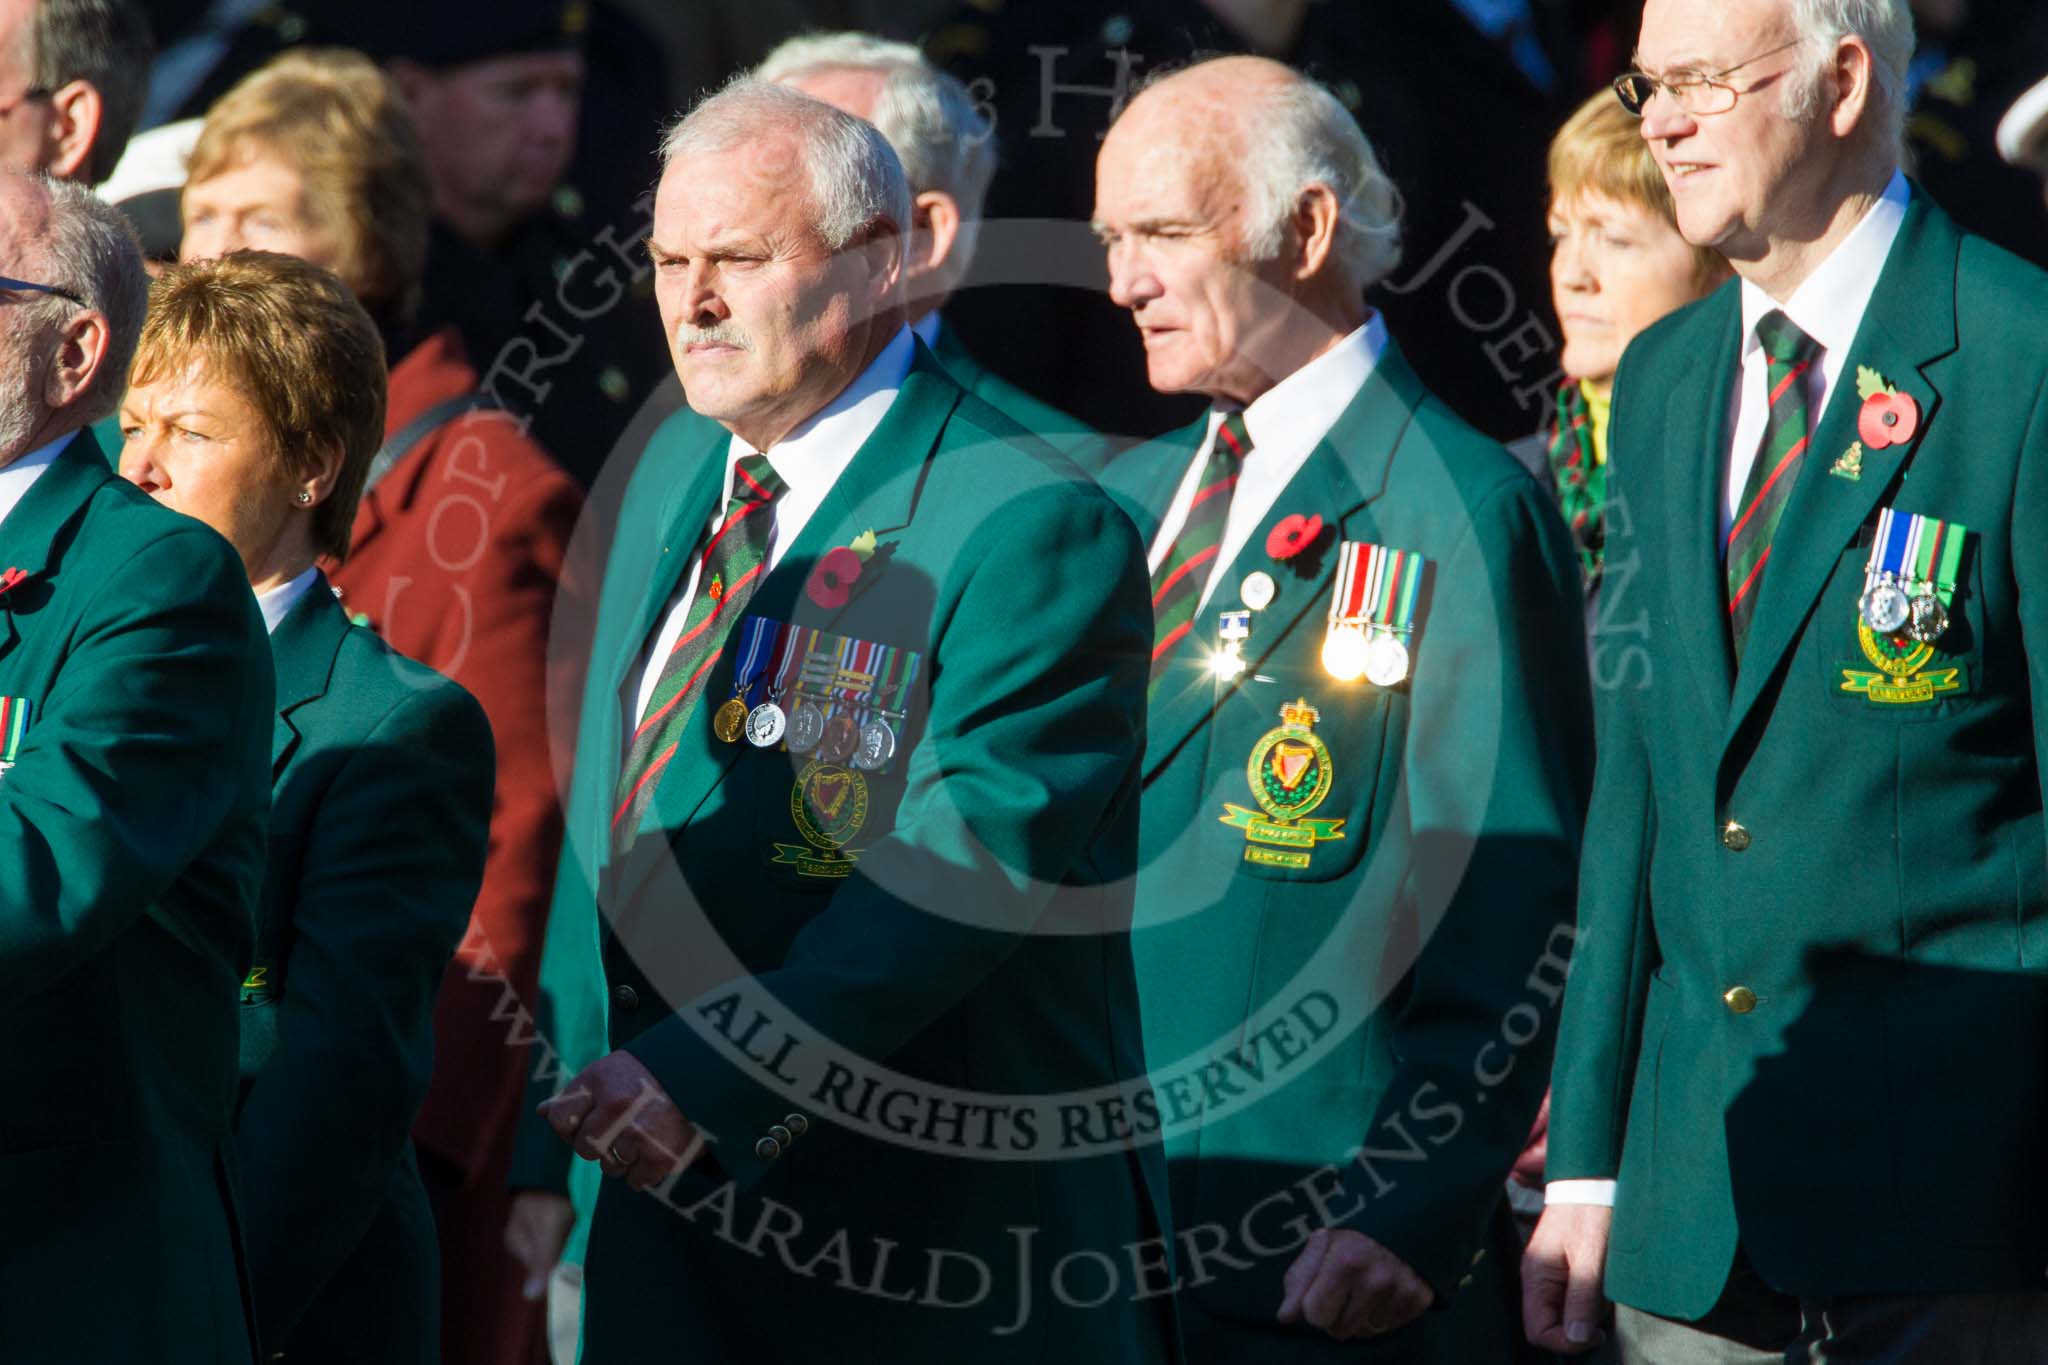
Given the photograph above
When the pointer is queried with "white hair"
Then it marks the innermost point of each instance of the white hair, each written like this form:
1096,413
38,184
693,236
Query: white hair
87,247
931,120
1299,135
853,178
1885,25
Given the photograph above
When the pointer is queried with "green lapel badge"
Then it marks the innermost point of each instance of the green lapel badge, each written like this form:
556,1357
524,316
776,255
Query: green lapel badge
1291,774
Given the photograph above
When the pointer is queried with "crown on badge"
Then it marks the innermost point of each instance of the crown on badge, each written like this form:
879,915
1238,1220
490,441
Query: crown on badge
1300,713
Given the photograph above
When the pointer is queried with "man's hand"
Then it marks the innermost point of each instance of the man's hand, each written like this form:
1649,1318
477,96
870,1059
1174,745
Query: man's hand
616,1114
1350,1286
1562,1273
536,1233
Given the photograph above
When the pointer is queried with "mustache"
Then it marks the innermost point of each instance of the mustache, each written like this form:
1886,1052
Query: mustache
718,333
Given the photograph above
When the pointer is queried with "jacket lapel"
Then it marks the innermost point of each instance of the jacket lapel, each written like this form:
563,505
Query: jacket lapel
1910,324
30,531
1345,473
1695,490
877,491
303,648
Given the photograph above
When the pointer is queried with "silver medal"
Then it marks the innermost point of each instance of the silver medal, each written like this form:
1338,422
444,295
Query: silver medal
1886,609
1930,619
806,728
877,746
1386,661
765,724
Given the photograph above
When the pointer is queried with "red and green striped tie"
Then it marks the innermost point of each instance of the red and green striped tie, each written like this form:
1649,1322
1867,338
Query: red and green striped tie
1787,433
734,559
1177,587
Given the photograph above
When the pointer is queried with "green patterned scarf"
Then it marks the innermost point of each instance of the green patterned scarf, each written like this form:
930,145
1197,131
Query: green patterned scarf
1581,481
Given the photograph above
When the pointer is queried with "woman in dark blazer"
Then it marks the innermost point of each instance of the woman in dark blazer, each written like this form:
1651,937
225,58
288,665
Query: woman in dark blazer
255,403
455,558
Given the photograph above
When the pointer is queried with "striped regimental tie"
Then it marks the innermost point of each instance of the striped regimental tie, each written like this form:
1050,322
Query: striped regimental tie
1787,433
1177,587
734,559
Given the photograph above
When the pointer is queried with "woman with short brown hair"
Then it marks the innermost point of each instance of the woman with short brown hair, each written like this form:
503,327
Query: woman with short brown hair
255,403
455,558
1617,265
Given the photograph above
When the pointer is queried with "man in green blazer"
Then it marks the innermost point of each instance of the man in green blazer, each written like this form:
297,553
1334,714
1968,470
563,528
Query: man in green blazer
948,150
1800,1087
1360,822
850,835
135,703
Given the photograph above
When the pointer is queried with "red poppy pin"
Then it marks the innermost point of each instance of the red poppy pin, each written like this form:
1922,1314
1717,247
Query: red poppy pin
1293,534
1889,418
12,578
831,582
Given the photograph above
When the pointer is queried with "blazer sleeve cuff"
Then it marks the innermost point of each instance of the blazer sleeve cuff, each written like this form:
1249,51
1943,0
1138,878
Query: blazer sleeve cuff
746,1126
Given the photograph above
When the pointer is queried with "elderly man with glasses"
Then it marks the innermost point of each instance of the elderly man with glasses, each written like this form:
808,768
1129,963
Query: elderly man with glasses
135,725
1802,1081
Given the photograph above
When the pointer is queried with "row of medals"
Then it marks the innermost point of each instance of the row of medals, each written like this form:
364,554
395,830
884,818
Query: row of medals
1891,606
1351,649
869,744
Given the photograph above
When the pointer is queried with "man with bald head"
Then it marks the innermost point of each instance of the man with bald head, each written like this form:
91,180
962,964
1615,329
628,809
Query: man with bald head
1802,1083
1368,755
846,876
948,151
135,703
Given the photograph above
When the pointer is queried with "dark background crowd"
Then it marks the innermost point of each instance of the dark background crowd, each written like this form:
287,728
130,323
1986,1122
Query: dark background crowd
1460,97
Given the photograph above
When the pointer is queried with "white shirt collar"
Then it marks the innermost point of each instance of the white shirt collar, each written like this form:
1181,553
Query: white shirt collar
277,603
17,478
1298,412
813,456
1830,304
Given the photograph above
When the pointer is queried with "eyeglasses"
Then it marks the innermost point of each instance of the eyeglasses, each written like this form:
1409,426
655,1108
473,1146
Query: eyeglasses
30,287
1697,92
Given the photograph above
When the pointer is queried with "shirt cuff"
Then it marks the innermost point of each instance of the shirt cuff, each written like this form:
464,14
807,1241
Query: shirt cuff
1600,1192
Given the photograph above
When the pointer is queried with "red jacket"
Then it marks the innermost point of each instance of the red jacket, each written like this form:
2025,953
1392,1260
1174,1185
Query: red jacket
456,560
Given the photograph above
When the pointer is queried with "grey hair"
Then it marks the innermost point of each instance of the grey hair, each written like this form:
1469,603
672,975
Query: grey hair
1300,135
853,176
1885,25
931,120
105,43
88,247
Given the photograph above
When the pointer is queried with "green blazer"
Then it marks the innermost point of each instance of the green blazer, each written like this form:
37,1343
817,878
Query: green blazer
1808,1012
978,943
382,779
1065,433
1396,993
131,819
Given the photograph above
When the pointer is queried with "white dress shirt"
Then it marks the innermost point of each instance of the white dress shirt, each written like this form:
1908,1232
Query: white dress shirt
277,603
17,478
810,460
1829,307
1286,423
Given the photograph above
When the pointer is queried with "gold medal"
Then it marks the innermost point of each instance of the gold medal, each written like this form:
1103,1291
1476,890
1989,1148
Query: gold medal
731,721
